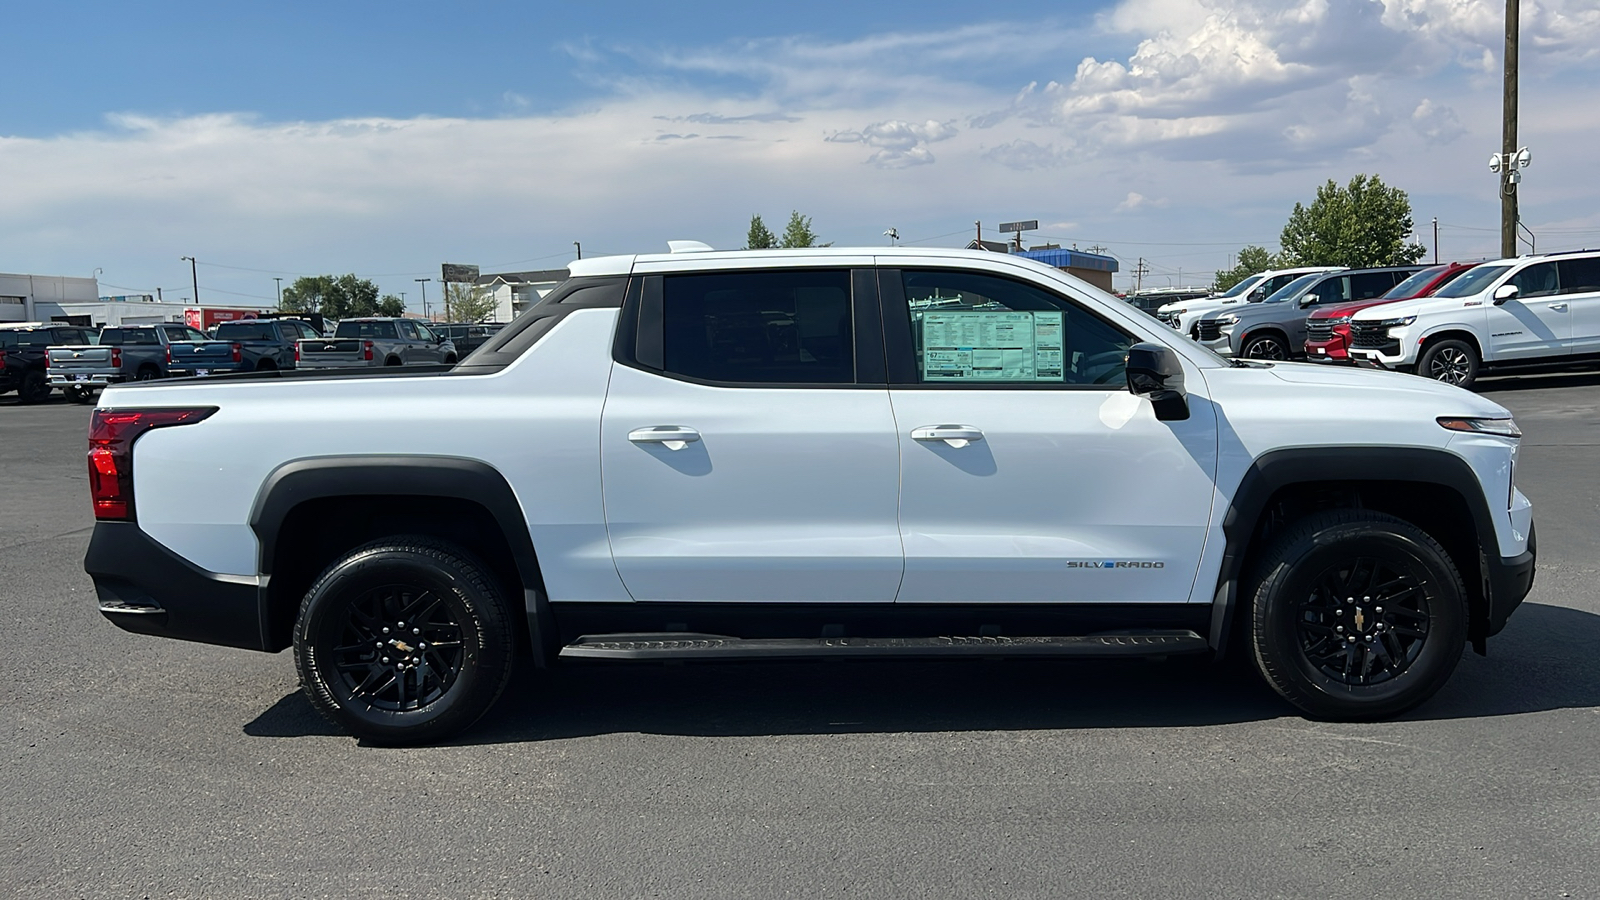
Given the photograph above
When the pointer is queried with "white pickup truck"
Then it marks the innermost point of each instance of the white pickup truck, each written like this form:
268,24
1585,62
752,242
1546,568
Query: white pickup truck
814,453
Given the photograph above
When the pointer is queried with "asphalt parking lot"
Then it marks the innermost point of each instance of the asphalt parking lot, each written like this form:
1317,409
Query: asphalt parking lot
135,766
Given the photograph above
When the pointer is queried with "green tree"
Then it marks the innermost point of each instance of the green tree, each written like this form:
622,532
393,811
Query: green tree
759,237
1362,224
468,303
391,306
798,232
337,297
1252,259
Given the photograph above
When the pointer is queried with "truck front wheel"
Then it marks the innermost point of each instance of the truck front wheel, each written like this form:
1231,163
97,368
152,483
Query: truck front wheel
1357,615
1450,361
404,640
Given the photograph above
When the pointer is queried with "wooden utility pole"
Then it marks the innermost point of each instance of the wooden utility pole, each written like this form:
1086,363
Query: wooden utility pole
1508,142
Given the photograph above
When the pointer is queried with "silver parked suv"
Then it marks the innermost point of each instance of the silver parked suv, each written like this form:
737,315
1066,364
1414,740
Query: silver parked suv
1275,328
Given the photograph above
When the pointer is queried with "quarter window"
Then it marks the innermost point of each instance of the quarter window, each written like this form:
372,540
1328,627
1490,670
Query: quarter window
971,328
787,327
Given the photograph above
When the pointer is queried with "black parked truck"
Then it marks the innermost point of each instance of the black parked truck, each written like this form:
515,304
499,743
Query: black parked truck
24,353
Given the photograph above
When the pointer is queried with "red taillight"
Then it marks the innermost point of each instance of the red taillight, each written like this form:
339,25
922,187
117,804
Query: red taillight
366,350
116,357
297,351
169,354
111,436
238,353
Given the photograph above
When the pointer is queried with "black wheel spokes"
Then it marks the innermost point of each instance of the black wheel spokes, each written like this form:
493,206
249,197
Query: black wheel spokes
397,649
1365,622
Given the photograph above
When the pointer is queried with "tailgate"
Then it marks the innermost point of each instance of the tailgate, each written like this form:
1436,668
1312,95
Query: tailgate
79,357
351,351
201,355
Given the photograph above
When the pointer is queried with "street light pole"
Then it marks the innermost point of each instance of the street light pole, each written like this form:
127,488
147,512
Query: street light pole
194,278
280,290
424,283
580,249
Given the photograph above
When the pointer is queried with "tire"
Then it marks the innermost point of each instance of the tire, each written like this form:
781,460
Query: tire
449,360
384,593
266,365
1265,346
1450,361
74,395
34,388
392,361
149,373
1408,637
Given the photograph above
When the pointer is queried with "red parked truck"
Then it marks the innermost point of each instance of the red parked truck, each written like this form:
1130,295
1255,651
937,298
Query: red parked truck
1328,330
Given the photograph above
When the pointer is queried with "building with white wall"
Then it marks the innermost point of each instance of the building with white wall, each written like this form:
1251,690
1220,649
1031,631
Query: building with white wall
516,291
22,295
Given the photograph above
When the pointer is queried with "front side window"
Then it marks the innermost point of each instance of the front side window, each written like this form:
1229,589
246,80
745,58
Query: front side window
971,328
1331,290
1538,280
786,327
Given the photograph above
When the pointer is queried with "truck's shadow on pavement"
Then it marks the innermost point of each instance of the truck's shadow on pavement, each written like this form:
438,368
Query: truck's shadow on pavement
1544,660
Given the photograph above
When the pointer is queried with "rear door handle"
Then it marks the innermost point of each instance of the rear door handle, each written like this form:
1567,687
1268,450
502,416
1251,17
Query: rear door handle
673,437
956,436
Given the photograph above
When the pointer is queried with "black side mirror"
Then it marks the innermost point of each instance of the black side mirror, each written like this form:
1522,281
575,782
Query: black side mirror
1155,371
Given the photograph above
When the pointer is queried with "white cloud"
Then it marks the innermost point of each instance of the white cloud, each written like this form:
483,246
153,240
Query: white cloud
898,144
1025,155
1436,123
1136,200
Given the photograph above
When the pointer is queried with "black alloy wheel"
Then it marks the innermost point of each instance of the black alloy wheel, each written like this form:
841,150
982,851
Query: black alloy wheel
1357,615
1266,346
404,640
1450,361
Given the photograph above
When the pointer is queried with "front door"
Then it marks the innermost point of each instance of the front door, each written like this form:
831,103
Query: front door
1029,473
747,444
1535,323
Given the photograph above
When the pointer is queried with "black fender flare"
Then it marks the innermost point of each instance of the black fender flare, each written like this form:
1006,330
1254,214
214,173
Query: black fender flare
1278,469
450,477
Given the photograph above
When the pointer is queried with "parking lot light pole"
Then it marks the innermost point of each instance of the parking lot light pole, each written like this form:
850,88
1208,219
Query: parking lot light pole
424,283
193,278
280,290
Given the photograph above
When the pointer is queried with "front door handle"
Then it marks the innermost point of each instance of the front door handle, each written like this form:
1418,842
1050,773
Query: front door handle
673,437
1558,306
957,436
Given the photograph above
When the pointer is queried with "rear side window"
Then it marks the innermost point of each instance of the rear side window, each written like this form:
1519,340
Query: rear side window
139,336
1372,284
366,330
1580,275
784,327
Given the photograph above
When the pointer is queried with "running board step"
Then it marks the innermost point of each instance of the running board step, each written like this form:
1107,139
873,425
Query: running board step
679,646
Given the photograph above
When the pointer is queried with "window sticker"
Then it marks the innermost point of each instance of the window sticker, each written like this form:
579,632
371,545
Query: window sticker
973,345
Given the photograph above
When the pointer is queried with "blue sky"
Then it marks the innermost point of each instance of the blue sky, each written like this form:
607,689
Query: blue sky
296,138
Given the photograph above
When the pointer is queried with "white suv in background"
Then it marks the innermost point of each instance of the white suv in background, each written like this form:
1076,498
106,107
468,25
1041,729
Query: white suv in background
1529,311
1182,315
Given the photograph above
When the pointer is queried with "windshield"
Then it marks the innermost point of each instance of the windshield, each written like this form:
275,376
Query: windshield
1294,288
1413,286
1474,281
1241,287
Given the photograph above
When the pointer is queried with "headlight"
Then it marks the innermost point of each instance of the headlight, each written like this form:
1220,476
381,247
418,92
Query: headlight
1227,320
1342,320
1506,427
1177,312
1392,323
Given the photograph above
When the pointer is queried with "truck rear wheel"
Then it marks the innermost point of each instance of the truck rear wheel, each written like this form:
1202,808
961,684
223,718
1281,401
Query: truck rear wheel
404,640
1357,615
34,388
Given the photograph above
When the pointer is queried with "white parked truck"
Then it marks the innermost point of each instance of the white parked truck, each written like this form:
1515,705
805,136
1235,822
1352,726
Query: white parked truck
814,453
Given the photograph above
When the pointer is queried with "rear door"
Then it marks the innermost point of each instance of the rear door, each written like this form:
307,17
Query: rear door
1029,473
1580,287
747,444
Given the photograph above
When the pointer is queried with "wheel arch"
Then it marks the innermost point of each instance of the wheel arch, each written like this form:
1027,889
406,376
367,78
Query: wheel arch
1430,488
1268,328
1452,332
303,520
